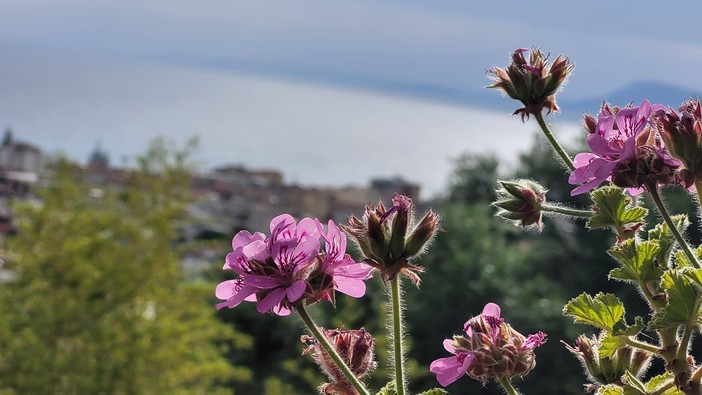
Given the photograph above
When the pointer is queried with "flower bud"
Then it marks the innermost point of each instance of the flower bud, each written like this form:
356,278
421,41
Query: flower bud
355,347
520,201
682,134
533,83
389,239
602,370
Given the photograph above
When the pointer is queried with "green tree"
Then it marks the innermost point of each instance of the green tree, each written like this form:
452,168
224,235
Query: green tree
95,301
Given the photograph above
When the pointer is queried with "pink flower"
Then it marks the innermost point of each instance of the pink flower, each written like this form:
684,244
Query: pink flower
489,349
281,271
624,150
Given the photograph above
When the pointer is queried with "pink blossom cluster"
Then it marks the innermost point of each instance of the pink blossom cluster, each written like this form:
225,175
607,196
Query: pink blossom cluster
299,262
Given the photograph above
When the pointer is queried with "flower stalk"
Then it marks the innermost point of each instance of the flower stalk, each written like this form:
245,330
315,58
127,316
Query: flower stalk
571,212
397,336
314,329
507,385
554,143
655,194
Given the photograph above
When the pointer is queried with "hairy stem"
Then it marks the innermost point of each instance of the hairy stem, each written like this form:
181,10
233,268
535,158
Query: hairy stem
655,194
554,143
687,334
639,344
670,384
571,212
397,337
507,385
322,339
698,187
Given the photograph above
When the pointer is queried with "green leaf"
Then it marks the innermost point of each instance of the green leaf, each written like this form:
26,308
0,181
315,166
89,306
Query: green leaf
434,391
659,381
682,301
609,345
638,260
603,311
621,328
610,389
389,389
665,238
681,260
613,209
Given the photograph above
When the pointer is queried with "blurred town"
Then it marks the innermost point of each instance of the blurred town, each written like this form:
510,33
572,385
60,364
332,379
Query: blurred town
224,200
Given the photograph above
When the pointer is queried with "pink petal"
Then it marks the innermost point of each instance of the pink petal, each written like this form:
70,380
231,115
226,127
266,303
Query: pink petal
244,238
281,221
281,311
296,290
450,369
350,286
271,300
262,282
448,346
492,309
233,295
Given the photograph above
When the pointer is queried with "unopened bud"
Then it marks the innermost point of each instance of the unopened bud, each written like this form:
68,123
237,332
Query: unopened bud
520,201
533,83
355,347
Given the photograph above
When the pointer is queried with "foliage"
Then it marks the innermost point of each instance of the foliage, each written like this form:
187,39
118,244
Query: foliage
95,302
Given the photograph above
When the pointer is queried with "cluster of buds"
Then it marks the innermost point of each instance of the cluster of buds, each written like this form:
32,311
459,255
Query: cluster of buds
355,347
682,135
490,348
602,370
390,238
534,83
520,201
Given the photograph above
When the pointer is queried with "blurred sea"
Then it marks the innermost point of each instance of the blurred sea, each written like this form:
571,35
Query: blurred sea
314,134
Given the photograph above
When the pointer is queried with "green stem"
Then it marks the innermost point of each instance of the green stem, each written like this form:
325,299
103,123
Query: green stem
653,189
508,386
670,384
322,339
554,143
571,212
687,334
398,344
640,345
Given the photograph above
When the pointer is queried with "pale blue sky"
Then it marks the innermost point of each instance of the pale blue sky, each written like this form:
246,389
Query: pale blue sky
443,44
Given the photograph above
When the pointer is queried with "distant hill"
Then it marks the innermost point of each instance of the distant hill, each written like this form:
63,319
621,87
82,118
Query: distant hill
656,92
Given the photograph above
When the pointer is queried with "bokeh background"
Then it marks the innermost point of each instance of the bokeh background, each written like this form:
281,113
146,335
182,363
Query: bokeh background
116,222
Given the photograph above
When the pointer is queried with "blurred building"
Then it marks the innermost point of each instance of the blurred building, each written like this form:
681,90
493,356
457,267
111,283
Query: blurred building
21,164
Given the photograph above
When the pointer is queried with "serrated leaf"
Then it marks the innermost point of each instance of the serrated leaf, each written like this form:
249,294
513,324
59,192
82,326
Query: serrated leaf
638,260
633,385
659,381
681,260
610,389
682,301
389,389
621,328
613,209
434,391
603,311
665,237
609,345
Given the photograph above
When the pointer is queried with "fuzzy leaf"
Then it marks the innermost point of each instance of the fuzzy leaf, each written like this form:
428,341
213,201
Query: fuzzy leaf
638,260
389,389
681,260
682,301
609,345
610,389
665,238
434,391
657,382
621,328
613,208
603,311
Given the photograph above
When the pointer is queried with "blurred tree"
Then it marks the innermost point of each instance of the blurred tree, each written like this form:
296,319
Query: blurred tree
95,301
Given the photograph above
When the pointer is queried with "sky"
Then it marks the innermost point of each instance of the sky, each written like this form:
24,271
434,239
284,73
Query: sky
249,74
